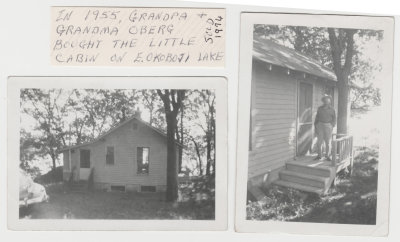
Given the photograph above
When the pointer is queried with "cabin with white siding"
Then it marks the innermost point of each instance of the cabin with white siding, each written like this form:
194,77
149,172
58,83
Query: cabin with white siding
132,156
287,87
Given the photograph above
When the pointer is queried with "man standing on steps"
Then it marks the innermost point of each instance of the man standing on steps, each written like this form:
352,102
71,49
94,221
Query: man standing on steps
324,122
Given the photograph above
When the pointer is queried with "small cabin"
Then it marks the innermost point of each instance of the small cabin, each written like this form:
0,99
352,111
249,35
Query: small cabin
131,156
286,91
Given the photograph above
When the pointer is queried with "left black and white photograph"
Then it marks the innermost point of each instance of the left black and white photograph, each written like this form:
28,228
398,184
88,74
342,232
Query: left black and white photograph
118,153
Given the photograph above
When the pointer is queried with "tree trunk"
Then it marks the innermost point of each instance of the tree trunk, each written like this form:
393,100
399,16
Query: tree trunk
343,102
181,140
54,159
172,171
208,140
172,100
196,146
340,42
214,138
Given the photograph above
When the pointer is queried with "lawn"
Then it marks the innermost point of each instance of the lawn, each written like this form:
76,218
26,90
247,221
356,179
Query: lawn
115,205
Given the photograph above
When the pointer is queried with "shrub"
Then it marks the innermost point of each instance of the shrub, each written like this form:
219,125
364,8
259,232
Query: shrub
53,176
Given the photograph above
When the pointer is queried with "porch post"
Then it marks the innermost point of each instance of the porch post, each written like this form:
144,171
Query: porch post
334,152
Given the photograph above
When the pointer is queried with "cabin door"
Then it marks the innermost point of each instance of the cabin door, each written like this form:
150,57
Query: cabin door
305,122
84,170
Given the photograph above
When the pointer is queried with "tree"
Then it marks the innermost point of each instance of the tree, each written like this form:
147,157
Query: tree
71,117
208,99
29,150
198,153
172,100
124,102
43,106
336,49
180,136
342,48
154,105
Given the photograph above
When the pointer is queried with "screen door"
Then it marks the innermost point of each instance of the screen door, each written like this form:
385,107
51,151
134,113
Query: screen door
304,130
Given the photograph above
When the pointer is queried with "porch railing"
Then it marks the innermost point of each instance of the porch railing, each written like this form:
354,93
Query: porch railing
342,149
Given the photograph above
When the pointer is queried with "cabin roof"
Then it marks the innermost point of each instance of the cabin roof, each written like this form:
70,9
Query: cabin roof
115,127
276,54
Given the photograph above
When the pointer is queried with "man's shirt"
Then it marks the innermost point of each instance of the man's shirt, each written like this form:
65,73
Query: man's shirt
326,114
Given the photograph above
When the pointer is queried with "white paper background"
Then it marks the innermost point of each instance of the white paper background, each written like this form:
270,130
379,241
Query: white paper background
17,18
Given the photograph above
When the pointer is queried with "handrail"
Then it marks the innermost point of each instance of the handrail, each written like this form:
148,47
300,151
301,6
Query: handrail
342,149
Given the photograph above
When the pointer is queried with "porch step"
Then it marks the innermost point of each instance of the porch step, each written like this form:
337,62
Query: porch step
300,187
304,179
310,170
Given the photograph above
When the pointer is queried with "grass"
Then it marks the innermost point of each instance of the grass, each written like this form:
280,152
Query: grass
351,201
115,205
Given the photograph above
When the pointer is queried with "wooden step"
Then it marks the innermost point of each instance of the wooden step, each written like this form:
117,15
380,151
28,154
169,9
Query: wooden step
322,171
304,179
300,187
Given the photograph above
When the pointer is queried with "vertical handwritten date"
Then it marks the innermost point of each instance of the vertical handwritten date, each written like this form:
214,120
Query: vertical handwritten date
213,29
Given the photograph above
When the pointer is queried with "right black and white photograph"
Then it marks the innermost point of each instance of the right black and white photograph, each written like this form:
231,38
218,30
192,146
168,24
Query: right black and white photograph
314,133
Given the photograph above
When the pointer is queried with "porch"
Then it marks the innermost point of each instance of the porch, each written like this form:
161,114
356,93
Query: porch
316,176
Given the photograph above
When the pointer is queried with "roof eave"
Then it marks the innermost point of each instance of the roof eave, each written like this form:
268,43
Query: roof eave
308,73
115,128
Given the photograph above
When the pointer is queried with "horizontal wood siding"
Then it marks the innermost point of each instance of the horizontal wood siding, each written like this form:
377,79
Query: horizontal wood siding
274,110
66,161
125,141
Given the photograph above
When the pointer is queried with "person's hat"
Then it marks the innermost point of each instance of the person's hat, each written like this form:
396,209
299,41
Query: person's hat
326,97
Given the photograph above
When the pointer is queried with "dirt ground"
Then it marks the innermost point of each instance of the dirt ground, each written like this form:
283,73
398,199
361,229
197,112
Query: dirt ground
114,205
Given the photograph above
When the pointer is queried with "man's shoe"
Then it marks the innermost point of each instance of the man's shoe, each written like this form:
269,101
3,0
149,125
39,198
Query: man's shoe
317,158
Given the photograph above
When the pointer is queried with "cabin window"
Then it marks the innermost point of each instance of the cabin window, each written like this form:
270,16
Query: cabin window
110,155
143,160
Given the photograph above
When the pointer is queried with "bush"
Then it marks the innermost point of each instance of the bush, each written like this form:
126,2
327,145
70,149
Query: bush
281,204
53,176
199,195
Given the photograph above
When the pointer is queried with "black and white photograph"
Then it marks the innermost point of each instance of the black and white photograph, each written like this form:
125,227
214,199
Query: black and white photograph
118,153
315,137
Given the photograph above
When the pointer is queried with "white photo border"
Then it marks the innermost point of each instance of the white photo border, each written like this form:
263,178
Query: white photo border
248,19
219,84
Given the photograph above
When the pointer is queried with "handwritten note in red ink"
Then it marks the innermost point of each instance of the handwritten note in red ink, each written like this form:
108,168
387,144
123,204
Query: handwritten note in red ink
109,36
